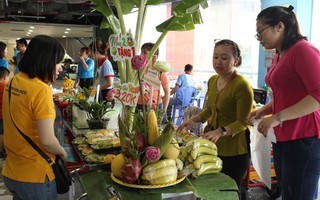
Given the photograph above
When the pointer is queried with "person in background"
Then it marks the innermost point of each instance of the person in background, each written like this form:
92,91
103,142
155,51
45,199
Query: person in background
4,77
184,80
164,101
21,47
294,108
85,69
3,54
230,100
26,173
105,70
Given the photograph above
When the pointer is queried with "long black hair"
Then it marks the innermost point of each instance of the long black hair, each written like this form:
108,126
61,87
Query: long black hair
41,57
275,14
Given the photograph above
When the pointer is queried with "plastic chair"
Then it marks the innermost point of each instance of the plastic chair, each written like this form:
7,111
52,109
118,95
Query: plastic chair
184,98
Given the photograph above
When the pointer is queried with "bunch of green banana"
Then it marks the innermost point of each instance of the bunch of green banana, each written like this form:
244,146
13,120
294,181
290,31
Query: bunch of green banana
160,172
202,154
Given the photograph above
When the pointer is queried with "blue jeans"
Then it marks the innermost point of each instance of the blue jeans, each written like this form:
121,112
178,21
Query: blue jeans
297,165
31,191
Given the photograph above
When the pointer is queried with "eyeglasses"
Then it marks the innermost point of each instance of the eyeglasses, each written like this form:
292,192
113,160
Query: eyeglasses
259,32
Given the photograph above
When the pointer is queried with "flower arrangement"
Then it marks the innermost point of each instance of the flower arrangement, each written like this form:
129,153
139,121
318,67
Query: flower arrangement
68,85
143,143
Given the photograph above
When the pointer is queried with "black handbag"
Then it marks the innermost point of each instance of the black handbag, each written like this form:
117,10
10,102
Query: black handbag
62,175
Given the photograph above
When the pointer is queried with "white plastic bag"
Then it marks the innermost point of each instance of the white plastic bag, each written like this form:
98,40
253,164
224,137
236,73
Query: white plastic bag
261,152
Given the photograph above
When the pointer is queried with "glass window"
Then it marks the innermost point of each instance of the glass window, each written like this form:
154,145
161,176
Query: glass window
223,19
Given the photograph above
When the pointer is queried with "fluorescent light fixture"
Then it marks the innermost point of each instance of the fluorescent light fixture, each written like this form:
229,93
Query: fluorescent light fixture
68,29
64,36
66,32
31,27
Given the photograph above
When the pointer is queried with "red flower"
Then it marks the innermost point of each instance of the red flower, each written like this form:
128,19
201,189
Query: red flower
152,153
139,62
110,94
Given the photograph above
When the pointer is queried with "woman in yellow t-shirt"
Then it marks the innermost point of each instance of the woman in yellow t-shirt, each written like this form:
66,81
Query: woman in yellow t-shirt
25,173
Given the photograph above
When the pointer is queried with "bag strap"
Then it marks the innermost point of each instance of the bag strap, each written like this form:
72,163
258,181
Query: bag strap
47,158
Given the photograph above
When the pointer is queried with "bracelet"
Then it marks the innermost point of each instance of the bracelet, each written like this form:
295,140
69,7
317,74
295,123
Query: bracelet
279,119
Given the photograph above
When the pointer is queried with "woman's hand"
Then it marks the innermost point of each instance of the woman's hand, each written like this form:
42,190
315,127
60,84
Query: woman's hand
267,123
63,156
186,124
256,114
212,135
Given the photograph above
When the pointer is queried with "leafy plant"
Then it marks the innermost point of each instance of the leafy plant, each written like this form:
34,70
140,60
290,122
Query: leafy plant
96,110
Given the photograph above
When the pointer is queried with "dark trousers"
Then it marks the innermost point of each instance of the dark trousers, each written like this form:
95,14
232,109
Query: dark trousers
297,165
86,82
235,166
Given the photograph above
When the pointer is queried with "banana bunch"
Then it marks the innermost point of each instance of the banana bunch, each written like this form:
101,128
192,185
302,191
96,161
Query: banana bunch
200,155
160,172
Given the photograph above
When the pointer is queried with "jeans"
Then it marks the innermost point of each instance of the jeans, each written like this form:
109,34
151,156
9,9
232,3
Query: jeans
31,191
297,165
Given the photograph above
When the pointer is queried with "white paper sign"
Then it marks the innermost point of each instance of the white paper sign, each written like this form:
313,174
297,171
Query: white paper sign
128,94
261,152
152,79
122,46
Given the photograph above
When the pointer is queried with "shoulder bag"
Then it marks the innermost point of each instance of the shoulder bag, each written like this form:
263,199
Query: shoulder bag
63,177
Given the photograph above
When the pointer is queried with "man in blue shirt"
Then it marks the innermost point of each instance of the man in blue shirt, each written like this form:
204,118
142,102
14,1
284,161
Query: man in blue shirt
184,80
85,69
21,47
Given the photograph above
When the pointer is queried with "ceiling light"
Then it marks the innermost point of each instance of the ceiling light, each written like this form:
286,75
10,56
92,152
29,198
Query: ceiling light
64,36
32,27
68,29
30,30
66,32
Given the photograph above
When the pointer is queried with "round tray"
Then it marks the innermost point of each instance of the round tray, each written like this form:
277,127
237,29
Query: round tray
115,179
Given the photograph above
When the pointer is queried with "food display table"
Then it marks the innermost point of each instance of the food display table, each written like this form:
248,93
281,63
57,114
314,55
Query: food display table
97,183
211,186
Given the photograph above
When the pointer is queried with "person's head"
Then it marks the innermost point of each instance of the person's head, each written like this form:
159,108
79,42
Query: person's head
85,52
278,27
4,74
188,68
3,50
146,48
22,45
42,58
226,56
101,50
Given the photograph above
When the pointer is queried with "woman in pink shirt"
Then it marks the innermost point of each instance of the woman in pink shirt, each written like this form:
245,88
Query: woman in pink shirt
294,80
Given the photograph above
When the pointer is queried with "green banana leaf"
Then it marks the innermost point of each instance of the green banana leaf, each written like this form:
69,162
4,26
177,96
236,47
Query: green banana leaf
126,5
110,20
154,2
177,23
213,186
189,6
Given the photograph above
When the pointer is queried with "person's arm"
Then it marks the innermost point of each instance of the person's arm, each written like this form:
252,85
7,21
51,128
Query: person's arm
192,120
109,82
260,112
48,140
304,107
166,97
84,64
173,91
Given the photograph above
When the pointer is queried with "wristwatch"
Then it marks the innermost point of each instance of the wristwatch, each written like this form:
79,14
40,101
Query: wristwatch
223,131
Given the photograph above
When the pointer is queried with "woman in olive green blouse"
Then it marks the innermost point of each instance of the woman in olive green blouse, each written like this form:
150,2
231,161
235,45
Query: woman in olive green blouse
230,100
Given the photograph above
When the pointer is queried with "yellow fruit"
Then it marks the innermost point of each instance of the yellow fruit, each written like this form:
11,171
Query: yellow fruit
153,132
117,164
172,151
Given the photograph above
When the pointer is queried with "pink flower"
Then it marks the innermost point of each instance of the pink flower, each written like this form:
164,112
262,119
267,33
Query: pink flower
110,94
152,153
139,62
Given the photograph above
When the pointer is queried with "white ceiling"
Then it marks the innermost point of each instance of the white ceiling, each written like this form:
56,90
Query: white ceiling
10,31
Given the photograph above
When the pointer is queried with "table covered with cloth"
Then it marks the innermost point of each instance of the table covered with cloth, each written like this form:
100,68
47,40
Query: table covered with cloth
211,186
